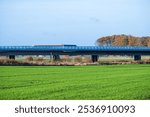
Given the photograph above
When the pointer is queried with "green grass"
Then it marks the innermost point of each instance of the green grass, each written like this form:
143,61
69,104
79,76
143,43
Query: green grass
75,82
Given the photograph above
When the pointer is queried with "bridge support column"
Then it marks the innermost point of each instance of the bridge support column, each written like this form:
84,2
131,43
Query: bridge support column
94,58
12,57
56,57
137,57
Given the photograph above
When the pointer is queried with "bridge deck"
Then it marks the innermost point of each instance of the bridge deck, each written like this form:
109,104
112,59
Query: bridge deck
95,51
72,48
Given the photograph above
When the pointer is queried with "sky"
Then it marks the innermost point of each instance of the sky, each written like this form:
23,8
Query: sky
79,22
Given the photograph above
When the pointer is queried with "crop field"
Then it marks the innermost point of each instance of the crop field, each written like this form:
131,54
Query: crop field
75,82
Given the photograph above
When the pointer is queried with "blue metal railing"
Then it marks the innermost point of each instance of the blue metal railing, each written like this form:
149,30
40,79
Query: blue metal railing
72,48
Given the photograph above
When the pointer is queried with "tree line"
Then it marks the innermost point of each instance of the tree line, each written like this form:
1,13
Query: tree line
123,40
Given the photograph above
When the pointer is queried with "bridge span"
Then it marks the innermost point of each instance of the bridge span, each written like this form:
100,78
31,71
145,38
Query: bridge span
71,50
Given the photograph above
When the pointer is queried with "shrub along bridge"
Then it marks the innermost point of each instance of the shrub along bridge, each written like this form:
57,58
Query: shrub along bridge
56,50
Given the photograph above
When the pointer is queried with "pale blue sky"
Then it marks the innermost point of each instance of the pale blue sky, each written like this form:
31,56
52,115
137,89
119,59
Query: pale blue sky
81,22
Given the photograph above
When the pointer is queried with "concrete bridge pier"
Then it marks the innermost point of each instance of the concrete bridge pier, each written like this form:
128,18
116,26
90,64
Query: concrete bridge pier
94,58
12,57
56,57
137,57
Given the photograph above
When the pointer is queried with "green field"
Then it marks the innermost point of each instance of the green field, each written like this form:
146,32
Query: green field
75,82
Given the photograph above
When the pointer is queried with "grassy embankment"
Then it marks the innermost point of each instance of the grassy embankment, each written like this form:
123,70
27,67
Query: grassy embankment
75,82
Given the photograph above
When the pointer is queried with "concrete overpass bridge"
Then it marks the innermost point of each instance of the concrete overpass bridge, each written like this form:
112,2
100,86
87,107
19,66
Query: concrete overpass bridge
56,50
